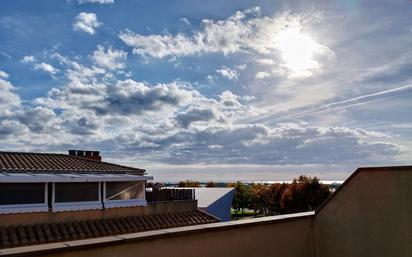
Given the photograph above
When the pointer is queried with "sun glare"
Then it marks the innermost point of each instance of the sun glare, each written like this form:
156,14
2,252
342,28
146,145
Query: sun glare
297,52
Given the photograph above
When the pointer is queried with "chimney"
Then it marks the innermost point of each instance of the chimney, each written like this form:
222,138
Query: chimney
92,155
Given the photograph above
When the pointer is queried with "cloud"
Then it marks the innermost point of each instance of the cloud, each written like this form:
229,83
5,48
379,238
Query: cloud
230,74
259,144
45,67
160,46
172,123
95,1
265,61
86,22
109,58
262,75
185,21
6,55
3,75
37,119
245,31
281,36
241,66
131,97
28,59
10,128
196,114
354,101
84,123
8,98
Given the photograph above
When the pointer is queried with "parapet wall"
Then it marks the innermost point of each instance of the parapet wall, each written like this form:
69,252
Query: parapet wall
49,217
370,215
278,236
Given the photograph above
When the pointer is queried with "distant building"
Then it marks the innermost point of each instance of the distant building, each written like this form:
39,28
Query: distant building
58,197
215,201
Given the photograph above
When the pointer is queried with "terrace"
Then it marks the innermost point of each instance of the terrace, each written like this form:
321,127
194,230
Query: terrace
369,215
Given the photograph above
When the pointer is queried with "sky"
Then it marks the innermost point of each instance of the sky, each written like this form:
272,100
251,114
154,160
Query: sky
210,90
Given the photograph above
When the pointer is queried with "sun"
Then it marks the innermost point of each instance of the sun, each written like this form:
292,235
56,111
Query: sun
297,50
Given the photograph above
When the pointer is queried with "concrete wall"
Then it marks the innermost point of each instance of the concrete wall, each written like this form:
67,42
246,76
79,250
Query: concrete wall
280,236
49,217
371,215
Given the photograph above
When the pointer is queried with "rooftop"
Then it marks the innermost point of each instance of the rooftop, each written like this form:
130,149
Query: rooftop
21,235
52,163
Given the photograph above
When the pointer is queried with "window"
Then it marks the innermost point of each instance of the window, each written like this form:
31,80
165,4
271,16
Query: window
23,197
124,190
122,194
76,192
76,196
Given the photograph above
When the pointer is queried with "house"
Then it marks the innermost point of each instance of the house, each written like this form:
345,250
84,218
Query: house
60,197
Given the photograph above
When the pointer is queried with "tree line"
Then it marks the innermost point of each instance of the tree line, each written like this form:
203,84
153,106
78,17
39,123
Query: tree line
303,194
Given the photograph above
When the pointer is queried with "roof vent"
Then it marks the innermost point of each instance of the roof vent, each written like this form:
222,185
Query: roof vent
93,155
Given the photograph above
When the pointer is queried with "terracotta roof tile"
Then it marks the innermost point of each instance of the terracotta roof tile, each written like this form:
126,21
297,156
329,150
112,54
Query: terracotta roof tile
13,236
13,162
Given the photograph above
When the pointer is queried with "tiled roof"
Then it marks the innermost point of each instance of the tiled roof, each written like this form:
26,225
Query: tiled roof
14,162
21,235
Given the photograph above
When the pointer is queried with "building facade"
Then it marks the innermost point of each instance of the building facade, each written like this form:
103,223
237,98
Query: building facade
48,198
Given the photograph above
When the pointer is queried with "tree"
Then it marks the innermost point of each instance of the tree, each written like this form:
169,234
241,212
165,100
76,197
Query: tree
188,183
304,194
210,184
261,199
242,197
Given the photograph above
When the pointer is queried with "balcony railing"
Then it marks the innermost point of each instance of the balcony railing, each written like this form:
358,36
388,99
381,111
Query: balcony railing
169,194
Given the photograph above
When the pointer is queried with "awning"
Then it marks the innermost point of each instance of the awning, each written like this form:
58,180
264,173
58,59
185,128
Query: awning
84,177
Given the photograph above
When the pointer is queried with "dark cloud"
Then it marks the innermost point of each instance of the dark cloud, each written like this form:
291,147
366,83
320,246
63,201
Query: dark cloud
82,125
186,118
37,119
259,144
130,97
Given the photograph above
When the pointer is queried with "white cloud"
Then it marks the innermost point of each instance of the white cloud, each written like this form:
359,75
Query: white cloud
280,36
45,67
28,59
262,75
241,66
3,75
171,122
245,31
8,98
160,46
230,74
86,22
39,66
185,21
266,61
109,58
95,1
6,55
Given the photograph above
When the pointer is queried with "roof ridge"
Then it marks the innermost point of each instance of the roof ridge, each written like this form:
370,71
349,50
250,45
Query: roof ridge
91,160
25,161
